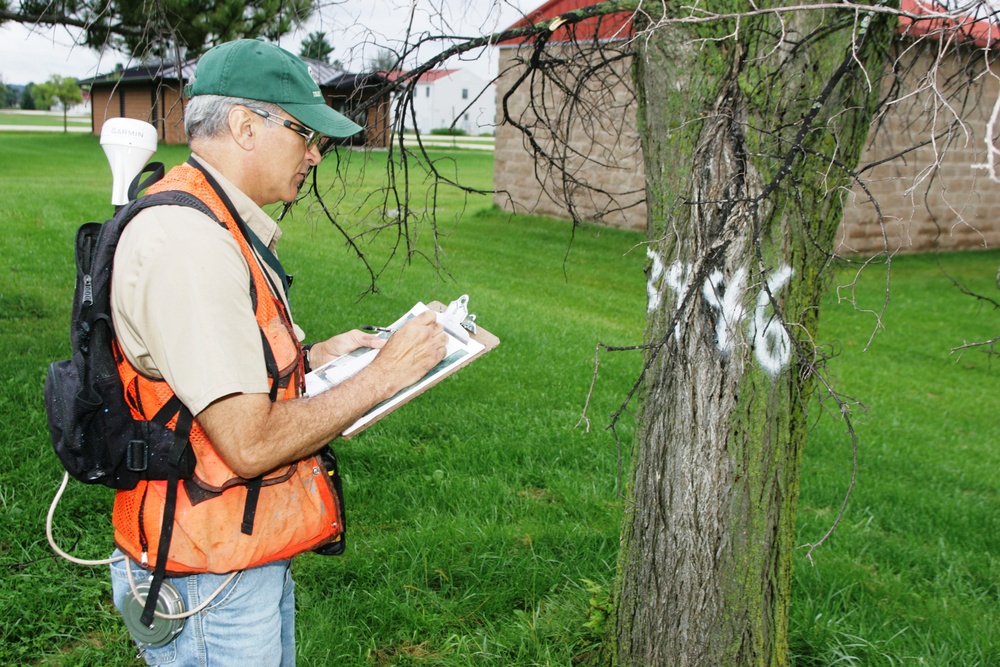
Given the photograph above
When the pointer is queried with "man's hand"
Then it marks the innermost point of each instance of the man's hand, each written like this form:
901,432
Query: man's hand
410,352
407,350
254,436
342,344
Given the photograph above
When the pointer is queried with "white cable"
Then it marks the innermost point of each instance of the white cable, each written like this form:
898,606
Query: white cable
128,563
142,601
52,540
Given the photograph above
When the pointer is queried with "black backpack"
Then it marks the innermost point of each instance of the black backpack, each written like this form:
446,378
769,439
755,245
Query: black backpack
93,433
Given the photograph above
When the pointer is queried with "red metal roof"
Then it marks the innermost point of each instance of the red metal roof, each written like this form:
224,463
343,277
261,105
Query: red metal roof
435,74
426,77
981,31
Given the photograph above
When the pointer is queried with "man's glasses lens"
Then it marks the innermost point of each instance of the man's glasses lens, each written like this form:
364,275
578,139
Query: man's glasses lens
312,137
323,143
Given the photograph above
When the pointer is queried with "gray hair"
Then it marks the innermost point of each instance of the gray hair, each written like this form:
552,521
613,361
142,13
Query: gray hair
207,116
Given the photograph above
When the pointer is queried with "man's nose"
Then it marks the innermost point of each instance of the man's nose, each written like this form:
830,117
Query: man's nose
313,156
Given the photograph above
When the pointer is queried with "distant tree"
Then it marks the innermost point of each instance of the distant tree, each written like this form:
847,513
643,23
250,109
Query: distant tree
386,60
62,89
8,96
316,47
167,29
27,100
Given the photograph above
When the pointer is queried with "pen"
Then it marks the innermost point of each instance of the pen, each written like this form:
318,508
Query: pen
371,328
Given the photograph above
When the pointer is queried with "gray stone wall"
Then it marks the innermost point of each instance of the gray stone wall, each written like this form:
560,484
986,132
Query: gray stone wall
603,179
932,198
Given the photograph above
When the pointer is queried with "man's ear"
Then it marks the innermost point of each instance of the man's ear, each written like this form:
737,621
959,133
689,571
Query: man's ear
242,127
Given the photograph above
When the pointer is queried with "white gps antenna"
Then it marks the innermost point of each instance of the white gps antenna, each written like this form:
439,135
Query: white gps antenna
128,143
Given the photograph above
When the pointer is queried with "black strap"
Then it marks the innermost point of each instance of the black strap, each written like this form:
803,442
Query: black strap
250,508
181,433
266,254
271,364
143,539
172,407
156,171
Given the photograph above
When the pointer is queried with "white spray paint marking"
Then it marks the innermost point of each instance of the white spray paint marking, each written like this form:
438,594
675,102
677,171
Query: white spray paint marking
678,279
729,304
652,285
772,344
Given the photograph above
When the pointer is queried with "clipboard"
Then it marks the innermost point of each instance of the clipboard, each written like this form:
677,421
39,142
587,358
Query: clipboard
454,361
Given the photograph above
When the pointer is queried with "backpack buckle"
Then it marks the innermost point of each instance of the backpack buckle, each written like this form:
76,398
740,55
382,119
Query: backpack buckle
137,455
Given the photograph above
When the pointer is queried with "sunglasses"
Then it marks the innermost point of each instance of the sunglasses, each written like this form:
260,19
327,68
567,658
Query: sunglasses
312,137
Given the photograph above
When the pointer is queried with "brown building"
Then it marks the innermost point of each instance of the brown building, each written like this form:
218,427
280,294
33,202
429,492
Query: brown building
153,94
930,199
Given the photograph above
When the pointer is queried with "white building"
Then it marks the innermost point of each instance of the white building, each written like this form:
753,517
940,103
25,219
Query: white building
453,98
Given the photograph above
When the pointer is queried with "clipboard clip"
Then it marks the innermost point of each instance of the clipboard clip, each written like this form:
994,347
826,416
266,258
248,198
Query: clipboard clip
456,319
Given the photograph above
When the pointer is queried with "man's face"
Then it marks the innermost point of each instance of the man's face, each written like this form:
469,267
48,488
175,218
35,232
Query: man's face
287,158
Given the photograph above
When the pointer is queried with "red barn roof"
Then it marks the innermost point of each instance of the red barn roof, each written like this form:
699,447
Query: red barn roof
981,31
426,77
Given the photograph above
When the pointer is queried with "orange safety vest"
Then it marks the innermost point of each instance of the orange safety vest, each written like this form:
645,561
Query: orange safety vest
297,508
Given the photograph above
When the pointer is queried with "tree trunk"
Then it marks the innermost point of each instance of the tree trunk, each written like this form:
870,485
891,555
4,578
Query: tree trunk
742,125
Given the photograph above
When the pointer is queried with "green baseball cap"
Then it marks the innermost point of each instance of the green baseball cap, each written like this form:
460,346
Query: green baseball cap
257,70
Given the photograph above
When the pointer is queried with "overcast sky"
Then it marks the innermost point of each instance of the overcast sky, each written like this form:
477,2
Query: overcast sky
355,28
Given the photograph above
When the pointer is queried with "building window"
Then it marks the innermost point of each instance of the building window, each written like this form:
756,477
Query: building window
465,93
427,91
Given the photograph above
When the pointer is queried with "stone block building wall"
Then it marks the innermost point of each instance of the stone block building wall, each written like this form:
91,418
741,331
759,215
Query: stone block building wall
933,198
952,207
606,180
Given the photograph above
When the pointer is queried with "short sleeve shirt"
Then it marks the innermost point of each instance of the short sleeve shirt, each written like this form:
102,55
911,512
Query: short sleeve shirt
181,304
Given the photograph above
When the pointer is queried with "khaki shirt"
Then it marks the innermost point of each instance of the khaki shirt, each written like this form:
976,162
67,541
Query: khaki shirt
180,300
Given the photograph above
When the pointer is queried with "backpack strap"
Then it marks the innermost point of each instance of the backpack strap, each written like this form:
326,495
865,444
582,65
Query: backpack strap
182,431
156,172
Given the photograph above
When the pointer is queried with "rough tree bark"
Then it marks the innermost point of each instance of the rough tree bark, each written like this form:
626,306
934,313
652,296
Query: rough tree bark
746,127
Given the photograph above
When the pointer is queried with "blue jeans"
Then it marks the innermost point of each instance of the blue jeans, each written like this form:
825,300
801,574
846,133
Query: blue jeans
250,623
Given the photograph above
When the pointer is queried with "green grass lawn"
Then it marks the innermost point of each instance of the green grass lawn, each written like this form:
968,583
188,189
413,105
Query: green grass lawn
482,521
41,119
912,575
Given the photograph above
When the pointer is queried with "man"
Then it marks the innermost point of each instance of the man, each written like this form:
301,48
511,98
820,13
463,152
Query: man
201,314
